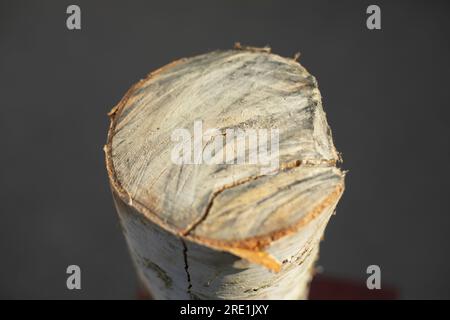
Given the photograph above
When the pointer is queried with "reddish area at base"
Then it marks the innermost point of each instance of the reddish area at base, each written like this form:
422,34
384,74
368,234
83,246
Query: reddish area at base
331,288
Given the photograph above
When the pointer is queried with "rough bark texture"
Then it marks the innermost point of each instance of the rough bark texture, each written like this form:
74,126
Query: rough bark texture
224,231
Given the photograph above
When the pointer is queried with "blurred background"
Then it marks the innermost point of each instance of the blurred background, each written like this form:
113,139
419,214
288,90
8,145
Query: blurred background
386,93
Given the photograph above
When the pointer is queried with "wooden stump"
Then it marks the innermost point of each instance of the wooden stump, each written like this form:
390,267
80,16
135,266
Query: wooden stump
224,230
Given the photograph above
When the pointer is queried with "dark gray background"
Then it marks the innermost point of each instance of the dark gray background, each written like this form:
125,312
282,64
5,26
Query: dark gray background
385,92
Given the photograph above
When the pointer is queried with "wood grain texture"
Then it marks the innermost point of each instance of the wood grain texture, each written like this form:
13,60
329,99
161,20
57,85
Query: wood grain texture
221,230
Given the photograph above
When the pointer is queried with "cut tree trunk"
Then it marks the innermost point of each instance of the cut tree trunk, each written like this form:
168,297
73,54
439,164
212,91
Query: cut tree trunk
224,230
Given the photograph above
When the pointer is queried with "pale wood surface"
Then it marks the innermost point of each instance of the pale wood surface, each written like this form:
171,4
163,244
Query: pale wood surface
217,231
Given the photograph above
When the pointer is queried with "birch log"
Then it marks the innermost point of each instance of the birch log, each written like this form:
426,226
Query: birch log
224,231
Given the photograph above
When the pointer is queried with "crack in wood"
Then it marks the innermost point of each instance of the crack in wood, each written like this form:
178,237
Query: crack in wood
186,268
283,167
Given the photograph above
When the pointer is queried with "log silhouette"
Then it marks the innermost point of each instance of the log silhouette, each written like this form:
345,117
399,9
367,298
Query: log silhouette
224,230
